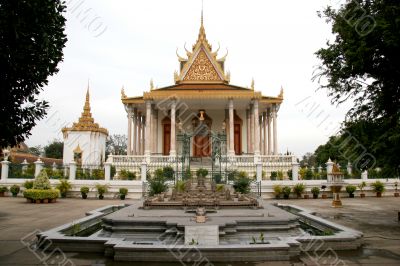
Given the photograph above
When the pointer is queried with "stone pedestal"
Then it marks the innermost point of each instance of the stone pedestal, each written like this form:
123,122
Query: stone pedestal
107,171
4,170
143,172
38,167
72,170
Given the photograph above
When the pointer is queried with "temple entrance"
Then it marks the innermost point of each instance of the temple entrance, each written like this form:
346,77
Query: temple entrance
201,146
201,137
166,135
237,139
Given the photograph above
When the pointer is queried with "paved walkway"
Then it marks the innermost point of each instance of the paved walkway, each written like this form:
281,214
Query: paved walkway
376,217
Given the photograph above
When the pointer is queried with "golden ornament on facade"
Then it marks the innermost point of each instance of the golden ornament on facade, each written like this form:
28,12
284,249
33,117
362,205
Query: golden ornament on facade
202,69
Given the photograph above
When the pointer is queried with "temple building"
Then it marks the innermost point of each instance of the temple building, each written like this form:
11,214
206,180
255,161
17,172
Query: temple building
202,90
85,140
201,103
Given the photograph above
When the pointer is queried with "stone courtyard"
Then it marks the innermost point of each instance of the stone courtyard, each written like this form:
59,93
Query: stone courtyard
376,218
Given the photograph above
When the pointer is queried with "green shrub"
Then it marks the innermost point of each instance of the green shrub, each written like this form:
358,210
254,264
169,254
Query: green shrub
168,172
280,175
180,186
64,186
85,190
15,190
123,191
157,185
187,174
219,187
315,191
362,185
201,172
217,178
286,191
42,181
242,185
350,189
101,189
378,187
232,175
298,189
28,184
97,174
3,189
308,175
277,191
159,173
127,175
274,175
40,194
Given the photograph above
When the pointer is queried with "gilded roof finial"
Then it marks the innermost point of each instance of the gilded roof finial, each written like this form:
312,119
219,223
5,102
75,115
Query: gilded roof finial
281,93
151,84
123,95
202,33
202,5
252,84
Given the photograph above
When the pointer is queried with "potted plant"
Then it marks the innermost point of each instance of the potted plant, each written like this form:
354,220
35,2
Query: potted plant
396,193
84,192
315,192
15,190
101,190
64,186
351,189
361,186
286,192
28,184
277,191
298,189
122,193
3,190
41,192
378,187
324,196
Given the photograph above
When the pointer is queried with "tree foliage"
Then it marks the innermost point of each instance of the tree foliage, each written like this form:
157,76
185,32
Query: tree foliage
54,149
362,63
31,42
116,144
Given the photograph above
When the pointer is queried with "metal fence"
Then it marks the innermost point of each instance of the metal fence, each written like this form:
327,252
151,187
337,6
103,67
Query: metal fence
25,171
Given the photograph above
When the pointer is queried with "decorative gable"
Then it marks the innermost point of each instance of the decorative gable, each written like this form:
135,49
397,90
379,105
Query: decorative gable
202,69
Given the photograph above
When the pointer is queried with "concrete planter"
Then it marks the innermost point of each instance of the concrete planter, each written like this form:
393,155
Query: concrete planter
396,194
306,196
362,195
379,194
324,196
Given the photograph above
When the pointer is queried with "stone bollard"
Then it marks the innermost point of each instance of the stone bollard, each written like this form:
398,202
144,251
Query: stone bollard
143,172
38,166
4,170
259,171
295,171
72,170
107,171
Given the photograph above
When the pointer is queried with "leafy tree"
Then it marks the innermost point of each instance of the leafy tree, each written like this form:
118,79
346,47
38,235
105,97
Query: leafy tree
54,149
363,64
116,144
36,150
31,42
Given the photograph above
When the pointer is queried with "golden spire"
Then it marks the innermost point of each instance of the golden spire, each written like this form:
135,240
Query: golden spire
123,95
252,84
281,93
202,33
86,121
151,84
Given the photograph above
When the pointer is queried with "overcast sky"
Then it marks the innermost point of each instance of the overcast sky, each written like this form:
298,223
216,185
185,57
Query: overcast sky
126,43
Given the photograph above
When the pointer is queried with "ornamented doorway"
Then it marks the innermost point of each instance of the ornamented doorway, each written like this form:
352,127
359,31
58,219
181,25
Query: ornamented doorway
166,122
201,137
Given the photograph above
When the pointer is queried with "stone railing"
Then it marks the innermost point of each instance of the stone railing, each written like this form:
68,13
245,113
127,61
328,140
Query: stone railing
126,160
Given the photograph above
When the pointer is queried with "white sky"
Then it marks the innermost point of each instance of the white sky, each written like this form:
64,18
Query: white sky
272,41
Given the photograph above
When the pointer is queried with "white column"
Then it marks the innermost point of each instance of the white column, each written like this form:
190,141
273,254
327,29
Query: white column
248,129
140,133
143,131
72,170
143,172
295,170
274,121
231,151
154,129
172,151
134,125
129,144
364,175
147,139
269,131
107,171
252,128
4,170
38,166
256,129
261,122
259,171
265,124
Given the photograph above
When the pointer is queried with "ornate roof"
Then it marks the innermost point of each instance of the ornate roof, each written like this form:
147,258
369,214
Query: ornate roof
86,121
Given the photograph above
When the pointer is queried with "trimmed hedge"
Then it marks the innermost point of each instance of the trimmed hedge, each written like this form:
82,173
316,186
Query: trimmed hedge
40,194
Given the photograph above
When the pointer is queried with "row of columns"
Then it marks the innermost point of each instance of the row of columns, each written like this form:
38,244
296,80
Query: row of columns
136,132
259,137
